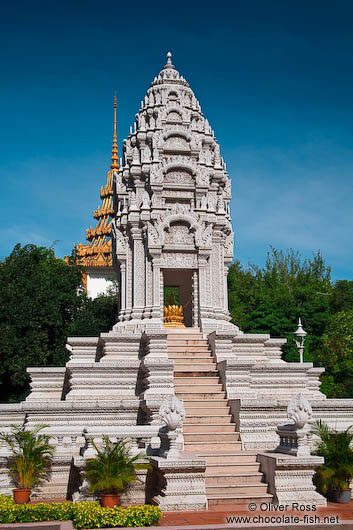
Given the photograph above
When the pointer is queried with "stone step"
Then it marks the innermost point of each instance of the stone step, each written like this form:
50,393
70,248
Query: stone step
232,468
210,380
190,329
197,388
198,358
185,332
188,370
214,436
201,395
224,419
215,447
230,457
194,367
210,405
235,489
209,428
189,355
177,341
190,348
217,500
229,479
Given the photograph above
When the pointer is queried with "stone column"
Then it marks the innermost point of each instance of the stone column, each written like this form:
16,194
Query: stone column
138,273
156,278
216,277
202,293
122,288
149,286
129,276
195,299
162,294
225,286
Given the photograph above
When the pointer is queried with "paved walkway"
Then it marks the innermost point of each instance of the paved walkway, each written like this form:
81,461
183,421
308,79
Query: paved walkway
218,516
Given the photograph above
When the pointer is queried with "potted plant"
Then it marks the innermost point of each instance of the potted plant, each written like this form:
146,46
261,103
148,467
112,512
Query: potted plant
113,470
334,476
30,459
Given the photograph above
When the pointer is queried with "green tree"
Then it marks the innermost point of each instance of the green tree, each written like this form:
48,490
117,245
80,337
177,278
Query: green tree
270,299
337,356
341,298
38,299
95,316
42,302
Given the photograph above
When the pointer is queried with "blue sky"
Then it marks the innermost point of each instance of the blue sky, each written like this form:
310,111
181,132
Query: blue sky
274,78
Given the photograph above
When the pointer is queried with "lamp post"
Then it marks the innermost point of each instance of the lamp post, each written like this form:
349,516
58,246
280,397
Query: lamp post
299,339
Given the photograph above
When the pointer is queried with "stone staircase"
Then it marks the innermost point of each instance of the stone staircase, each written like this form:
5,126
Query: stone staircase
232,475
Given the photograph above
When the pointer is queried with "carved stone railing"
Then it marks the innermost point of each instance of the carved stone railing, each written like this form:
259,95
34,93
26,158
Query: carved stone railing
141,438
294,437
157,373
172,414
178,479
289,470
257,419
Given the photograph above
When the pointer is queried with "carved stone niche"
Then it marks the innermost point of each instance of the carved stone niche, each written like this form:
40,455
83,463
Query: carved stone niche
173,96
173,116
179,235
176,143
180,177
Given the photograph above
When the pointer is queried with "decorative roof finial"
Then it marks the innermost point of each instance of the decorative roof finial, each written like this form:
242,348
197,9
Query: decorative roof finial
115,164
169,61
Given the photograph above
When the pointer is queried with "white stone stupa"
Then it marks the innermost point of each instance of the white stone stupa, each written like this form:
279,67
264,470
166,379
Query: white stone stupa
172,245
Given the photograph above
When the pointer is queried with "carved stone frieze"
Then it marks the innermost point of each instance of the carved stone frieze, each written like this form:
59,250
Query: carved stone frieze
179,177
180,260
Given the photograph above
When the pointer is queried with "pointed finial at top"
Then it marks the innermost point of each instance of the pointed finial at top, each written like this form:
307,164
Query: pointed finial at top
169,61
115,164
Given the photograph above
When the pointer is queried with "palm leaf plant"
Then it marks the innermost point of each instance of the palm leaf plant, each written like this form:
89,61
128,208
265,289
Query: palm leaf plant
336,448
31,455
113,469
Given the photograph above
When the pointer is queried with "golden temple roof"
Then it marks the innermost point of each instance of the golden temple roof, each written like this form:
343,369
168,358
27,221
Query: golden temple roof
98,250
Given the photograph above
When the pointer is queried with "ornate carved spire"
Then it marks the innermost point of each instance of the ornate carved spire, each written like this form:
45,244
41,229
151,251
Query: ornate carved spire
98,250
115,164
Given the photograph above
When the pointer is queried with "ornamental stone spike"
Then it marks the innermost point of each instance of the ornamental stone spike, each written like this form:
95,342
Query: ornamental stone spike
299,410
172,412
169,59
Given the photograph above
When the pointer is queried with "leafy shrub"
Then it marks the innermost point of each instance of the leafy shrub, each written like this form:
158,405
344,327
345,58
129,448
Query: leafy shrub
336,447
113,469
84,515
31,455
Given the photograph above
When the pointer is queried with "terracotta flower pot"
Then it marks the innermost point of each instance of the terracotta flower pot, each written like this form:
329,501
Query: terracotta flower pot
21,496
109,500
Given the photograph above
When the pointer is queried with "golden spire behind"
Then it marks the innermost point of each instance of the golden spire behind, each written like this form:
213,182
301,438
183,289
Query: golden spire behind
98,250
115,164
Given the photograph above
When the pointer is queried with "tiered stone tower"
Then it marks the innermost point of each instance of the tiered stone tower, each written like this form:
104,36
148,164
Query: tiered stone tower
172,229
172,222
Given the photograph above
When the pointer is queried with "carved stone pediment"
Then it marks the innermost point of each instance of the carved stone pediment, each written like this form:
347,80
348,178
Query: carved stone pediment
179,235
